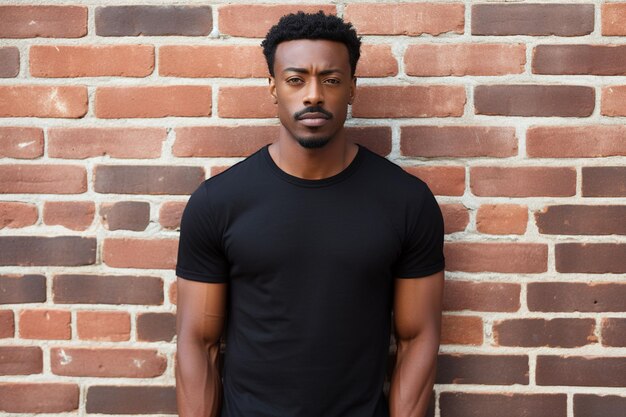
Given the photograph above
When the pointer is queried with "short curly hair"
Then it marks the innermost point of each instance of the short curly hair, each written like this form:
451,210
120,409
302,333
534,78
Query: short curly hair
318,25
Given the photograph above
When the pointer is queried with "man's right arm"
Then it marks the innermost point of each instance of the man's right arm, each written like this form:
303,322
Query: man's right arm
201,309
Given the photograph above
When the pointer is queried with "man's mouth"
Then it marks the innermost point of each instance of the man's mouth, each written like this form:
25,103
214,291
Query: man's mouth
313,119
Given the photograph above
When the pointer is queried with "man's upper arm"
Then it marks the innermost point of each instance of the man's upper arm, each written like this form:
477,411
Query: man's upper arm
418,304
201,310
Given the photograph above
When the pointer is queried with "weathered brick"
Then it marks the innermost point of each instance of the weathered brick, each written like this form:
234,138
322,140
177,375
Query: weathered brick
206,141
123,400
21,142
107,289
455,217
15,215
571,219
481,296
170,214
45,324
43,179
442,180
140,253
126,363
581,371
614,331
66,101
17,289
148,179
463,404
110,326
599,405
559,332
156,327
209,61
153,101
502,219
614,100
458,141
461,330
406,18
74,215
245,102
409,101
54,397
47,251
375,138
434,60
506,181
576,296
60,61
154,20
9,61
7,322
126,215
576,141
532,19
376,61
591,258
613,20
43,21
482,369
21,360
505,257
605,181
534,100
580,59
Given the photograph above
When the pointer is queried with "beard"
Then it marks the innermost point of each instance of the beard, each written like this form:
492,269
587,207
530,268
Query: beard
314,143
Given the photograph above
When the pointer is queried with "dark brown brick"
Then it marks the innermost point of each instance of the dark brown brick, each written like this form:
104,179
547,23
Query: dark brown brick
123,179
7,323
593,258
107,289
522,181
21,360
156,327
123,400
101,362
534,100
43,21
16,289
126,215
9,62
481,296
580,59
461,404
587,405
581,371
559,332
584,141
47,251
482,369
38,398
532,19
153,21
604,181
573,219
375,138
614,332
574,296
506,257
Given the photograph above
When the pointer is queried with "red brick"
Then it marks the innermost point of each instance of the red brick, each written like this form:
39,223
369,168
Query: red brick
153,20
123,400
215,141
47,251
482,369
140,253
173,293
7,323
522,181
38,397
613,20
21,142
376,61
254,20
45,324
505,257
109,326
576,141
581,371
375,138
571,219
74,215
591,258
442,180
43,101
210,61
60,61
9,62
218,169
16,289
481,296
406,18
580,59
153,101
43,179
126,363
461,330
126,142
170,214
576,297
107,289
126,215
148,179
599,405
156,327
604,181
15,215
534,100
614,100
433,60
43,21
245,102
455,217
21,360
409,101
614,331
462,404
502,219
559,332
458,141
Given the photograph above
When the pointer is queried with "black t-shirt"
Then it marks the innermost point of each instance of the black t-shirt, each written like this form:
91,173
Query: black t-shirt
310,267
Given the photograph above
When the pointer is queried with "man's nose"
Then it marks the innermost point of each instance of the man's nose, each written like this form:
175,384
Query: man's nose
314,94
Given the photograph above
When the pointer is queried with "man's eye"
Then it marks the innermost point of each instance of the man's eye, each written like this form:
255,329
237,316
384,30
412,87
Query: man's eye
332,81
294,81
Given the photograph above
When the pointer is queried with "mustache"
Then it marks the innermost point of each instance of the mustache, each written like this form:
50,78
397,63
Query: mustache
312,109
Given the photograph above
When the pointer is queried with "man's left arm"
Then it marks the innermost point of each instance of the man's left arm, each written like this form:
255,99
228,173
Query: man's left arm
417,319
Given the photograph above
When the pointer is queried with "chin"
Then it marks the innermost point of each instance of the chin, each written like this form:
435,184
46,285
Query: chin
313,143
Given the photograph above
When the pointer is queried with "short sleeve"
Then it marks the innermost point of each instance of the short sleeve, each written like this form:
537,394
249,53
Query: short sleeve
422,250
200,250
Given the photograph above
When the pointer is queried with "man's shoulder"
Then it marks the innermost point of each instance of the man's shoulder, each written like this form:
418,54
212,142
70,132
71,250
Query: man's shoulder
388,174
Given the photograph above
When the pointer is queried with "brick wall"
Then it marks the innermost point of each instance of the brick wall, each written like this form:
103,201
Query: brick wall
514,113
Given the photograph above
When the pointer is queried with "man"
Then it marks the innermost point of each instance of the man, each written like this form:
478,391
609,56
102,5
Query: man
305,248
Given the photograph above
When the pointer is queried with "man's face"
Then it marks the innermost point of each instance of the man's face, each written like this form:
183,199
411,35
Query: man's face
313,86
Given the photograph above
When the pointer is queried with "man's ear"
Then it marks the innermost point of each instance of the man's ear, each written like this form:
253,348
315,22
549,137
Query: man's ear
272,87
352,90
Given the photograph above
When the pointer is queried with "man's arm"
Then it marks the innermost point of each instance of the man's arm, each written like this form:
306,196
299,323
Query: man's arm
199,322
417,320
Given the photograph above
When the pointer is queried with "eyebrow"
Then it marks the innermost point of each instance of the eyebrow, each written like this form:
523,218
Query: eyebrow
305,71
